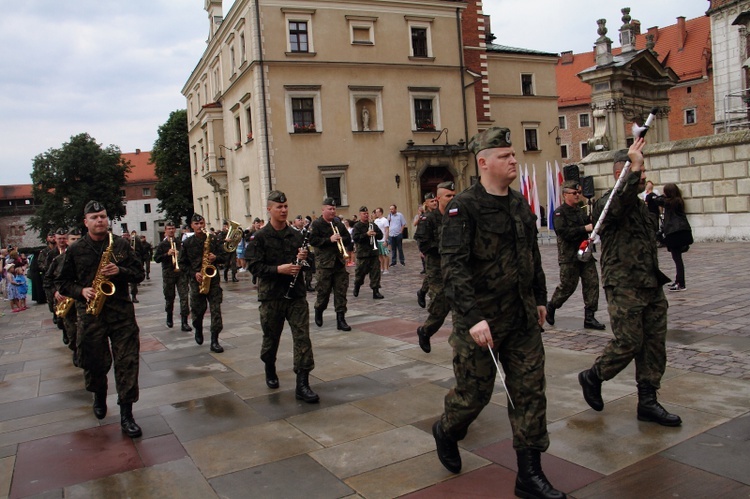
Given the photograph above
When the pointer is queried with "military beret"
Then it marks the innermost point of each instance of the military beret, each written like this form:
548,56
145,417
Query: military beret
61,232
256,221
571,184
363,209
93,207
450,185
51,233
298,217
489,139
329,202
225,223
169,224
74,232
429,195
196,218
276,197
621,156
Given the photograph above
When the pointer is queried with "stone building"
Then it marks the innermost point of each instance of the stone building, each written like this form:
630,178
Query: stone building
16,208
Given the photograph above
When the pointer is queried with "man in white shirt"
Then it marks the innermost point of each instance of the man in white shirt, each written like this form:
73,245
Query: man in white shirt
382,223
396,222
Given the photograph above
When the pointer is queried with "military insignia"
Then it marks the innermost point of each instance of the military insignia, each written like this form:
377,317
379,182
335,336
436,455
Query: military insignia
558,214
453,212
507,136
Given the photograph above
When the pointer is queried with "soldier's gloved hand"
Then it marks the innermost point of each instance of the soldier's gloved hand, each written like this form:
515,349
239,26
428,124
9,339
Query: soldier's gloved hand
481,334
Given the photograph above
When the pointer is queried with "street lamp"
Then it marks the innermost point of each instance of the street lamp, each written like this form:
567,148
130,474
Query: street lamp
557,135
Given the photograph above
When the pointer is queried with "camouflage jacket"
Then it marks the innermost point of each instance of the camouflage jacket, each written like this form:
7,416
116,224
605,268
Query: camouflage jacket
490,258
364,242
272,248
628,236
569,226
326,252
42,258
428,232
191,255
161,256
53,270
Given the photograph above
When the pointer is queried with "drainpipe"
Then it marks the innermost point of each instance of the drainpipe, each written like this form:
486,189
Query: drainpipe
263,92
463,87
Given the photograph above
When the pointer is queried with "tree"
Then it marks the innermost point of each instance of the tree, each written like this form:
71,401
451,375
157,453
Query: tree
171,155
65,179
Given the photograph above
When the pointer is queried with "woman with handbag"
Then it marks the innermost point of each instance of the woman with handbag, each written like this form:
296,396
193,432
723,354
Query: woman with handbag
678,235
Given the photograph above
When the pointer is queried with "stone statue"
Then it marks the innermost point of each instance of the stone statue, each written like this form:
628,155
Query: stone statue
365,120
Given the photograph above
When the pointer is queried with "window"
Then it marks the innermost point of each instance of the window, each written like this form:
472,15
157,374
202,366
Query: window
303,115
243,48
420,40
147,208
564,151
237,131
689,116
333,189
425,109
423,114
583,120
124,228
298,36
249,123
146,191
299,27
246,190
530,135
144,226
232,61
303,109
584,149
562,122
122,193
334,183
527,84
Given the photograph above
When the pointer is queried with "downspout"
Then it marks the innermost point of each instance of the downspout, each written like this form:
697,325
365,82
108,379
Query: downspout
263,92
461,77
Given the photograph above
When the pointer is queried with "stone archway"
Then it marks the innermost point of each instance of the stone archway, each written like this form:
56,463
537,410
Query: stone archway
432,176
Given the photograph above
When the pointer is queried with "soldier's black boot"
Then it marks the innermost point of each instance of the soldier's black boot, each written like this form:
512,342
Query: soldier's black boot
356,289
100,404
272,379
341,322
198,326
592,388
590,322
376,294
303,391
318,317
135,300
170,321
447,449
530,481
215,347
421,299
127,423
651,410
424,340
551,313
185,326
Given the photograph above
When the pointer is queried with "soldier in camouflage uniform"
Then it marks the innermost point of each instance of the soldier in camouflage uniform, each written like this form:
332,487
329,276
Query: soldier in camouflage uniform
429,205
115,328
53,264
428,237
332,274
147,254
135,245
494,280
173,278
632,284
39,265
364,234
191,261
572,229
275,258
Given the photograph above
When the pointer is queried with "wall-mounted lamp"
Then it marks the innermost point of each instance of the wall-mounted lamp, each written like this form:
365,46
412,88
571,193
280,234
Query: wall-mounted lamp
443,131
398,180
557,135
221,160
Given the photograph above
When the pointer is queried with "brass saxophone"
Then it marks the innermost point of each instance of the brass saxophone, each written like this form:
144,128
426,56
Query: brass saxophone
208,270
63,307
103,287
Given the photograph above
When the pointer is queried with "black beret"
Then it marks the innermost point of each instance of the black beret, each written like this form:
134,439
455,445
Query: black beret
450,185
51,233
196,218
329,202
276,197
429,195
169,224
298,217
61,232
363,209
74,232
93,207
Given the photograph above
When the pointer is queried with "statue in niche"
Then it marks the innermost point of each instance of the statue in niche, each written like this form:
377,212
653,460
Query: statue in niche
365,119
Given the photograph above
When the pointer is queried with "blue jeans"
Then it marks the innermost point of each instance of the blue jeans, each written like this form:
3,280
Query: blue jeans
396,247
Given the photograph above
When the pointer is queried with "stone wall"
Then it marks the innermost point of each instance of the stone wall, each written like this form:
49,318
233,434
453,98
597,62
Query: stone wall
712,173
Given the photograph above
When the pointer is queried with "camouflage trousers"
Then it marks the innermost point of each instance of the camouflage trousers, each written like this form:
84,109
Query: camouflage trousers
273,313
639,323
133,289
70,328
100,344
439,307
570,273
178,283
522,358
51,302
212,301
368,266
336,280
425,286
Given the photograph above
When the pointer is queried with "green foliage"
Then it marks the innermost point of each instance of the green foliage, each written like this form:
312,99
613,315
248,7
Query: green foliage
65,179
171,155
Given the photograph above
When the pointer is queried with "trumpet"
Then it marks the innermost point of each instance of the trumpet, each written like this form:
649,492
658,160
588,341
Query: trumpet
232,239
372,238
340,243
175,256
133,236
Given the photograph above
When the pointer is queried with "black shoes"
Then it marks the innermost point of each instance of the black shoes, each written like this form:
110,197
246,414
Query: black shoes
215,347
135,300
272,379
651,410
592,388
100,404
65,339
590,322
376,294
303,391
318,317
421,301
530,481
551,313
356,289
198,332
127,423
424,340
170,322
341,322
447,449
185,326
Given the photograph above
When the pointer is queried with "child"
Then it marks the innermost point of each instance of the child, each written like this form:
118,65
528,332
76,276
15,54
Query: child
13,291
23,287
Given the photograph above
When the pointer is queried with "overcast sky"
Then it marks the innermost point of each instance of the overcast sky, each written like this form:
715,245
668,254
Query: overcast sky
114,69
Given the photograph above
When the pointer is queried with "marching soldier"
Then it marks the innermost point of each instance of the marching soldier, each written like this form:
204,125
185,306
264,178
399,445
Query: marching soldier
429,205
114,329
191,261
572,229
330,239
48,283
147,254
172,276
282,295
231,256
135,245
45,259
365,235
428,237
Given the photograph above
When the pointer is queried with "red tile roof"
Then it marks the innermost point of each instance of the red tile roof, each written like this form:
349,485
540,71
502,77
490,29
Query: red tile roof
19,191
690,62
142,170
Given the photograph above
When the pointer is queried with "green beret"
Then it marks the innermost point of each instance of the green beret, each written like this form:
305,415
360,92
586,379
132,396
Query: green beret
571,184
621,156
276,197
93,207
450,185
489,139
329,202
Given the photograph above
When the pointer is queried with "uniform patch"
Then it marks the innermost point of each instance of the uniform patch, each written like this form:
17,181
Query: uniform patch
558,214
453,212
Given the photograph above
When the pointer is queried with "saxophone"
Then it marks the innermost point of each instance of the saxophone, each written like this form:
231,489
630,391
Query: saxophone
63,307
103,287
208,270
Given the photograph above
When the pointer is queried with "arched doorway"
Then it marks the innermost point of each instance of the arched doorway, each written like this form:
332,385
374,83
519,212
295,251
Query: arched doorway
431,177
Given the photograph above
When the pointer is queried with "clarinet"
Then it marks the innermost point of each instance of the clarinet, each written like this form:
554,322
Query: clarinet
304,247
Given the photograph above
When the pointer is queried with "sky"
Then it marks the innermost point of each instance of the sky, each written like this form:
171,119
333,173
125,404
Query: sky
114,69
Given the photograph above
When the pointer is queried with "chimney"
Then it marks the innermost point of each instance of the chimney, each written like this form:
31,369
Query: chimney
137,151
566,57
681,32
654,31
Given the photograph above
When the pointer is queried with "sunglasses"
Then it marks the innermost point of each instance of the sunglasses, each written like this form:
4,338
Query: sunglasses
572,192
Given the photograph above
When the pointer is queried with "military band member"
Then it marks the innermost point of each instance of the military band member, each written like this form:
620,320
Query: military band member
173,278
135,245
114,329
572,228
191,261
231,256
45,259
494,280
147,254
331,264
273,259
37,269
428,237
52,265
365,235
429,205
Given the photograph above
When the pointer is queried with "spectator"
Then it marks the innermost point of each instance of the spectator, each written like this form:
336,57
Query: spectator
678,235
396,225
382,223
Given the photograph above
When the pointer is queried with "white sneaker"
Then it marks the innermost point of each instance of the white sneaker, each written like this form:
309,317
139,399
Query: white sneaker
384,272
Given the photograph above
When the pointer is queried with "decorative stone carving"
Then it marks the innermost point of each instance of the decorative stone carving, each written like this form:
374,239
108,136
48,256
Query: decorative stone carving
365,119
